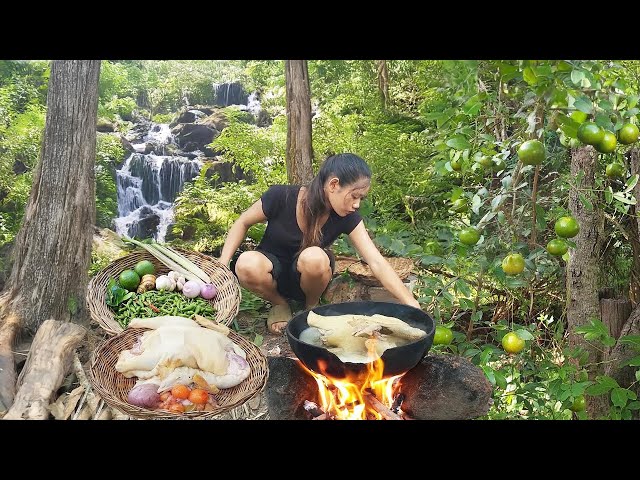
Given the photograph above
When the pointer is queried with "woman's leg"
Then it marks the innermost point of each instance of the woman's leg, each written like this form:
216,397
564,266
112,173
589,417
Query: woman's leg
254,272
315,273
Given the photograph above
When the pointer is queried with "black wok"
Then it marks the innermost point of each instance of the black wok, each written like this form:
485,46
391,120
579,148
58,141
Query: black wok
397,360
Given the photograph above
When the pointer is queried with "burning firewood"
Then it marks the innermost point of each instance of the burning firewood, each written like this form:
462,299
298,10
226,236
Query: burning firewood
371,400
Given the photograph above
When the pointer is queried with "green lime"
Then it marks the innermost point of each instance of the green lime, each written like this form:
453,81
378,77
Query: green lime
590,133
144,267
485,160
460,205
557,247
579,404
129,280
443,336
607,144
628,133
614,170
513,264
567,227
531,152
469,236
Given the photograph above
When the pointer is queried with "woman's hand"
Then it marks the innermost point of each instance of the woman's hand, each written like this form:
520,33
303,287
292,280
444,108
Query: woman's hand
414,303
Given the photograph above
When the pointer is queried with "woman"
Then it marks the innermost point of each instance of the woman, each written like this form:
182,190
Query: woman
293,259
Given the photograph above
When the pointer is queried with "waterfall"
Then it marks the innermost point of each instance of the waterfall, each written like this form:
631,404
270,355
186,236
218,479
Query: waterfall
148,184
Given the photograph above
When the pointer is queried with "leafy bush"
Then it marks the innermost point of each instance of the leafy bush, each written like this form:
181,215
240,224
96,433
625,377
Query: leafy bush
109,154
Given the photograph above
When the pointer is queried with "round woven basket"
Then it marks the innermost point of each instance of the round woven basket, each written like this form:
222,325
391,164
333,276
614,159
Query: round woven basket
226,303
361,271
114,387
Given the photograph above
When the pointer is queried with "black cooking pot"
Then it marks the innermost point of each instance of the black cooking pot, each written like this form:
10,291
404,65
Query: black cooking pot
397,360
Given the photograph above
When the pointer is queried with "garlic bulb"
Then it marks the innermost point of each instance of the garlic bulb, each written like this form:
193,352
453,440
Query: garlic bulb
164,282
178,278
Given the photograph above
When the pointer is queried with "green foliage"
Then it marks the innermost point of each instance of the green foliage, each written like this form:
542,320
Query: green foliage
259,151
209,212
109,154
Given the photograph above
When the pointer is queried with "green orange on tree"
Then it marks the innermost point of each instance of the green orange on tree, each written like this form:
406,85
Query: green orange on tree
531,152
513,264
460,205
590,133
485,160
628,133
615,170
499,164
456,165
512,343
607,144
579,404
566,227
129,279
469,236
442,336
557,247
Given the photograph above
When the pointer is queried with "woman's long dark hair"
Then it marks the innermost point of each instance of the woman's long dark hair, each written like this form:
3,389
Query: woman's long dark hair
348,168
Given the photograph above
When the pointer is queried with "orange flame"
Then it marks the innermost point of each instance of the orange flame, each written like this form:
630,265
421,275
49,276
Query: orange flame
344,398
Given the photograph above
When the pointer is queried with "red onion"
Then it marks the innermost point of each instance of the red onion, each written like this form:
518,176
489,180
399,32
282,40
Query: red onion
208,291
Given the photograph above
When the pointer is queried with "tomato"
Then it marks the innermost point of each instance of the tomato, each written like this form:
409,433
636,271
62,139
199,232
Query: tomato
198,396
181,391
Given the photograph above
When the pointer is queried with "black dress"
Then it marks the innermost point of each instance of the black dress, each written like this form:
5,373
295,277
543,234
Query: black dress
283,237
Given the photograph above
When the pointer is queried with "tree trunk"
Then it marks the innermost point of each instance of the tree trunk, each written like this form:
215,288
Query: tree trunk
53,247
615,312
299,151
621,352
383,81
47,365
582,268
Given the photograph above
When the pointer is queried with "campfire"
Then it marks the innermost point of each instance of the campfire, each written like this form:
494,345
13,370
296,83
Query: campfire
367,396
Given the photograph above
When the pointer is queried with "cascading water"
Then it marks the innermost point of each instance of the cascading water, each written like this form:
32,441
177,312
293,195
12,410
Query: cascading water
148,184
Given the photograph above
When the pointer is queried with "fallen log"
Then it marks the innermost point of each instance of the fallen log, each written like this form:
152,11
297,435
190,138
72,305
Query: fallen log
47,364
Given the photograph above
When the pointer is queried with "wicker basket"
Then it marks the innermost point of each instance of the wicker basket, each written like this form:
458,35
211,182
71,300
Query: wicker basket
114,387
361,271
226,303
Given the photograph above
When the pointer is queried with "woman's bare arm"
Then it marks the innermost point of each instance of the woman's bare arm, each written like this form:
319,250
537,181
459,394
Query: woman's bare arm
238,231
379,266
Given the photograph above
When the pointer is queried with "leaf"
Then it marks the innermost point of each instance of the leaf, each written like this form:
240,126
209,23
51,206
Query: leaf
476,202
497,200
619,397
465,303
632,101
633,340
623,199
488,371
529,76
583,104
500,380
586,202
257,341
397,246
458,142
633,362
603,385
463,287
577,76
630,183
524,334
427,260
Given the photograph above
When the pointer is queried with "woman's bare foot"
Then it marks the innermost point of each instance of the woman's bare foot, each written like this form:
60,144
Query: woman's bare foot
278,318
